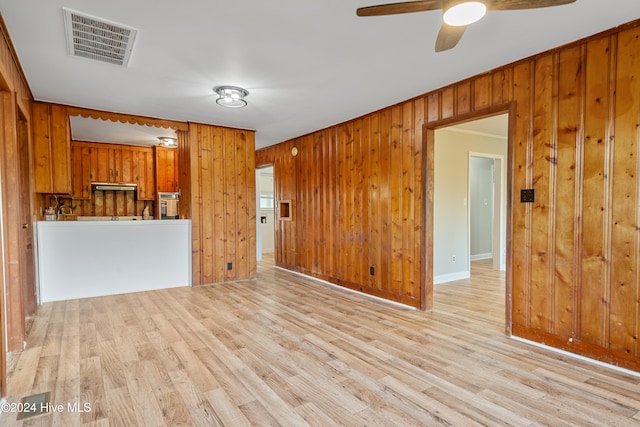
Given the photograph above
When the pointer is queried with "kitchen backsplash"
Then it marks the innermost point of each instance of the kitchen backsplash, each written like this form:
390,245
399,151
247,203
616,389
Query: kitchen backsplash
103,203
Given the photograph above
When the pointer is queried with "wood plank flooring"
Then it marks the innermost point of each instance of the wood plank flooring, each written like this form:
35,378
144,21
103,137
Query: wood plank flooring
286,350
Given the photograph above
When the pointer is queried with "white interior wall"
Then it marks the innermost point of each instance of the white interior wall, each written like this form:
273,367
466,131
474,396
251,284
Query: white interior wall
258,226
481,207
265,237
451,213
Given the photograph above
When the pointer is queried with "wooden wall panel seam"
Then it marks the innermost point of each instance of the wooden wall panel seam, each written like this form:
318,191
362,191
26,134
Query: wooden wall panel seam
622,321
593,252
530,184
579,194
553,185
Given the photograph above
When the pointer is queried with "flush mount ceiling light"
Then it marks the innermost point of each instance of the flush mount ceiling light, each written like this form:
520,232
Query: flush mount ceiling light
168,141
459,13
231,96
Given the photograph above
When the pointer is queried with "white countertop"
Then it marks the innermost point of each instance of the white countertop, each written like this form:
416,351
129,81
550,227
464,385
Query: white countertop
110,218
93,222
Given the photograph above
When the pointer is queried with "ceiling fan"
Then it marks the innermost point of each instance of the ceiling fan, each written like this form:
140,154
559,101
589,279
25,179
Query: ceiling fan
457,14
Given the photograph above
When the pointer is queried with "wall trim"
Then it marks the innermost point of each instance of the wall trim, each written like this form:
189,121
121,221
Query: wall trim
443,278
384,300
576,356
479,257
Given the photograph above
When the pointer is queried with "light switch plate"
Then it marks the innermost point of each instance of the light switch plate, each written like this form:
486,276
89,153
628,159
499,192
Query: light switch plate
527,195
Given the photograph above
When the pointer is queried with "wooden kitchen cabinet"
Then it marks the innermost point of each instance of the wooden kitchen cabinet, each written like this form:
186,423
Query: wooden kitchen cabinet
166,169
143,172
101,163
125,167
80,170
52,149
113,163
121,164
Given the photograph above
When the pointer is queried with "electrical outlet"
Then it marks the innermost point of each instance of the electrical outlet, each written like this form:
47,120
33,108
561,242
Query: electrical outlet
372,270
453,258
229,266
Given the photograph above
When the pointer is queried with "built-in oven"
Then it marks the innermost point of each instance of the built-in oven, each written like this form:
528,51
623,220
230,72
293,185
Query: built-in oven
168,205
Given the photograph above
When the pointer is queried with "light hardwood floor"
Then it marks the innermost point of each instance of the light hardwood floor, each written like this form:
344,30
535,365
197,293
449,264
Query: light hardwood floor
286,350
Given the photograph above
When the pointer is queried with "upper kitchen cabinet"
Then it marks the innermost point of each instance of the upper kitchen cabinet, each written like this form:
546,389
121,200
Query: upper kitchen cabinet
81,170
52,149
125,152
112,163
166,169
143,166
126,164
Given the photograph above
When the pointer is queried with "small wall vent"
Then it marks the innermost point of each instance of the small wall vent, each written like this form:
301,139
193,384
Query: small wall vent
97,39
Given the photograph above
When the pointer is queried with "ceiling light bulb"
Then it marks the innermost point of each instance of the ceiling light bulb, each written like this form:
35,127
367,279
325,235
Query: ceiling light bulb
231,96
168,141
464,13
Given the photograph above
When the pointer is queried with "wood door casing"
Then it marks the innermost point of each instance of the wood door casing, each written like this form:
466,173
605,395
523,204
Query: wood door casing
429,185
12,223
27,253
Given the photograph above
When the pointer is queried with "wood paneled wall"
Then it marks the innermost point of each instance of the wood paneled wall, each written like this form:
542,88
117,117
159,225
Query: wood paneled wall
15,96
357,197
574,256
12,222
220,193
12,75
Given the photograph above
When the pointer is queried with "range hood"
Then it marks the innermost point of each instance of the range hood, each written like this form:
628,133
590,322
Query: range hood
113,186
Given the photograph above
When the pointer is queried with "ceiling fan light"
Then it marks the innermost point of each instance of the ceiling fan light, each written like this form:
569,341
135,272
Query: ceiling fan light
463,13
231,96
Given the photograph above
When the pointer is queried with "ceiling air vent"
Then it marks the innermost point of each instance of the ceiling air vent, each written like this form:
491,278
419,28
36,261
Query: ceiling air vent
94,38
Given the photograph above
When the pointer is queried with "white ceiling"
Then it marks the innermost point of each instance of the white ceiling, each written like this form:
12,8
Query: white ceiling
307,64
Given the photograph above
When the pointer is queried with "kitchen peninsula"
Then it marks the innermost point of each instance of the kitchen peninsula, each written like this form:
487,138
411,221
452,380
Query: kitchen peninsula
80,259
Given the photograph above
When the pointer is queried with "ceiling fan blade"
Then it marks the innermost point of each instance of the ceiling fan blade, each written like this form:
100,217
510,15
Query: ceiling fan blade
395,8
449,36
524,4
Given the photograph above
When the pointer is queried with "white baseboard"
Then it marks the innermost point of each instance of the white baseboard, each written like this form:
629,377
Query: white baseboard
443,278
388,301
478,257
576,356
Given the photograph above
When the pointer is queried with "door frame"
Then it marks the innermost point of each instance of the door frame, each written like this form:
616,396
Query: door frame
26,185
3,317
259,243
497,201
428,163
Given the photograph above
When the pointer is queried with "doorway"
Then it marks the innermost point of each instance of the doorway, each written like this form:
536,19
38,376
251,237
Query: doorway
449,149
455,146
487,209
265,218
